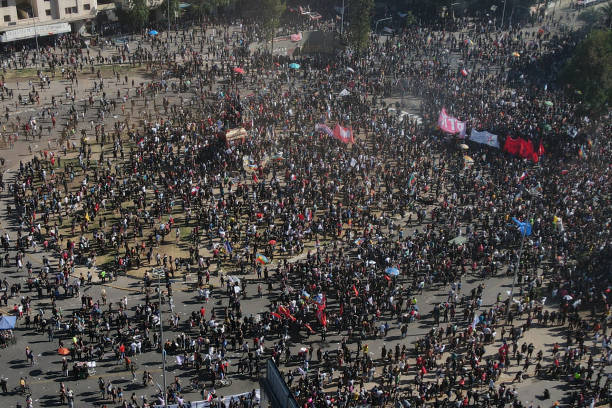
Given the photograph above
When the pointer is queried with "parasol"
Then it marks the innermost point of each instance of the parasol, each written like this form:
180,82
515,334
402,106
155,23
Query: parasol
392,271
238,70
294,65
460,240
63,351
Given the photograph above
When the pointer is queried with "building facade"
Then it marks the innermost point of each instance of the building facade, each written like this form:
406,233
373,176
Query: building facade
23,19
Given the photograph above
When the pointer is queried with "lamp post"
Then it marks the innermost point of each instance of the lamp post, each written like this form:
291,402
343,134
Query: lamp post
378,21
520,254
158,272
342,20
168,26
501,26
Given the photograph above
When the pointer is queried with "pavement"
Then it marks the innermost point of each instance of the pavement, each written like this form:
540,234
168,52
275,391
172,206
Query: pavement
45,375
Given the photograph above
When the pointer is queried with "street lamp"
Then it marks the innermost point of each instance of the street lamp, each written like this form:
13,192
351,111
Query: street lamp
378,21
520,254
501,27
342,20
159,272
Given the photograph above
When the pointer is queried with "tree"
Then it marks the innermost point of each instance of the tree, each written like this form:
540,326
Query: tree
589,71
359,26
270,12
409,19
174,9
139,14
607,15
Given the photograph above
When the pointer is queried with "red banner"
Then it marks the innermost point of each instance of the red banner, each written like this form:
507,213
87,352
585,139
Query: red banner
343,134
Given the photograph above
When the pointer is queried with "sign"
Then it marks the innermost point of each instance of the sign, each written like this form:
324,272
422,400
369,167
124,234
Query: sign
450,124
484,137
236,134
33,31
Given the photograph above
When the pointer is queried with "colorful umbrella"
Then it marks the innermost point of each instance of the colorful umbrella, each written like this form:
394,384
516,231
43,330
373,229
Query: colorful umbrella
360,241
262,259
294,65
239,70
272,242
153,32
63,351
392,271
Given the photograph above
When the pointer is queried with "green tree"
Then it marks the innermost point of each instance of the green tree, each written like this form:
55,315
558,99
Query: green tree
139,14
409,19
359,25
607,15
589,72
269,13
174,10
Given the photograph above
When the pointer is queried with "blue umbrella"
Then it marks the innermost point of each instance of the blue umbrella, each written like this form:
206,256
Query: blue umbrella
7,322
294,65
153,32
392,271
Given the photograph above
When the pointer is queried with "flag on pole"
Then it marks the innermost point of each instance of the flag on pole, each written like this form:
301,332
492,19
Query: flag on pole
524,227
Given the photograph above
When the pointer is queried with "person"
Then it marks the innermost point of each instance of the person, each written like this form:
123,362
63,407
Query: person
3,385
22,384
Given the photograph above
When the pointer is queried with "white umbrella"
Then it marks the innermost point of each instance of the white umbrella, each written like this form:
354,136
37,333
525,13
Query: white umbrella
567,297
349,69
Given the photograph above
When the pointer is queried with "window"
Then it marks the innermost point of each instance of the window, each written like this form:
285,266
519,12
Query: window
86,7
4,3
48,12
68,10
74,10
7,18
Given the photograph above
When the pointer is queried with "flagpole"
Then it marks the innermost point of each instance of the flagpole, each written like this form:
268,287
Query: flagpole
518,262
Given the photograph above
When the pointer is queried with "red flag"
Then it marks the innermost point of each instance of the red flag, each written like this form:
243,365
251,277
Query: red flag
343,134
512,146
283,310
276,315
526,149
355,291
308,327
541,150
255,179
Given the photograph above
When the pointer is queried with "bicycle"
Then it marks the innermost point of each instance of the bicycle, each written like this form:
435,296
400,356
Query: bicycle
223,382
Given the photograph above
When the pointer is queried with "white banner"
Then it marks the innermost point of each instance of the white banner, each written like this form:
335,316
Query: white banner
484,137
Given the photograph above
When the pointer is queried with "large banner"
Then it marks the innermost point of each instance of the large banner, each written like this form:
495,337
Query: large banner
484,137
320,127
523,148
296,37
450,124
343,134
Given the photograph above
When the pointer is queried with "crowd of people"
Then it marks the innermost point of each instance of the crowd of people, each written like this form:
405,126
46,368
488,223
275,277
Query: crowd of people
343,239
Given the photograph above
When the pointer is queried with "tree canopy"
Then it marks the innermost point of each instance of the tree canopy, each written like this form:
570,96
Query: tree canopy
589,71
360,25
139,14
